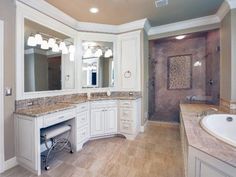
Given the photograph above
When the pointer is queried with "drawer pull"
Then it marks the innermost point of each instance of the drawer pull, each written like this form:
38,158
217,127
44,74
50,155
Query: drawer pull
62,117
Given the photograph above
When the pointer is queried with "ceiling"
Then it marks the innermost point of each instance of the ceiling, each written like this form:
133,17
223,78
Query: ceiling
116,12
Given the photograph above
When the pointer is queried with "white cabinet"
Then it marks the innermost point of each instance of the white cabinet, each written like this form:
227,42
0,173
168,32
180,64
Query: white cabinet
103,118
130,59
130,117
110,120
97,122
82,124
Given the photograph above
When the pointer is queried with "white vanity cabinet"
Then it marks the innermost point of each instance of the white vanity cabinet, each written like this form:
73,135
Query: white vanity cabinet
27,136
82,125
103,118
130,117
130,59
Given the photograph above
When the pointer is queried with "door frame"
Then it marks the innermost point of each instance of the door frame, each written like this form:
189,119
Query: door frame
2,160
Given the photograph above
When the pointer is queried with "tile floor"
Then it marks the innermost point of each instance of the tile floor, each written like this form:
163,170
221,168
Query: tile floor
155,153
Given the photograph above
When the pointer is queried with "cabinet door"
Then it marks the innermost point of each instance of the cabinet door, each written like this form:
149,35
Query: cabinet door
130,61
111,120
97,122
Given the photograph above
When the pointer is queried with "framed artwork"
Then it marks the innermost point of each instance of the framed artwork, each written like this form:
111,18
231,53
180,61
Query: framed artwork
179,71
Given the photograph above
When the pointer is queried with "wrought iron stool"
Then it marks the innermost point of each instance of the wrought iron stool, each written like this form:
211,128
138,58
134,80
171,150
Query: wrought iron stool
56,139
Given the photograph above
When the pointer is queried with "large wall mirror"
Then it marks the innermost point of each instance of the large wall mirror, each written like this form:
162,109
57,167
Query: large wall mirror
97,64
48,59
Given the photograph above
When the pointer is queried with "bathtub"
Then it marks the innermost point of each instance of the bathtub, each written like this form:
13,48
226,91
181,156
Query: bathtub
222,126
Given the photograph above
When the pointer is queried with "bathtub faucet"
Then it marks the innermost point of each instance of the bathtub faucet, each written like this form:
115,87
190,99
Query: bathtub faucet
209,112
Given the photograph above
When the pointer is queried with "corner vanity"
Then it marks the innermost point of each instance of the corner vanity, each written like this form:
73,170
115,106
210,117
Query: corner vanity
204,155
92,118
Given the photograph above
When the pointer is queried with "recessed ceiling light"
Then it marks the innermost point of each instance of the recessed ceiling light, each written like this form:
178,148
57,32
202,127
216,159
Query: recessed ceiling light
94,10
180,37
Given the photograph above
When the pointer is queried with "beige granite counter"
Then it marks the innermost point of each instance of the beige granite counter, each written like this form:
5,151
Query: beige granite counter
100,98
41,110
200,139
38,111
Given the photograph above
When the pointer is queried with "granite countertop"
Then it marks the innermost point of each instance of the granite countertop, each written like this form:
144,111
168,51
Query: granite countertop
200,139
100,98
38,111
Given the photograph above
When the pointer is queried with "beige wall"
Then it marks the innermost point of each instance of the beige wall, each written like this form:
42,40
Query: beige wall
233,51
145,74
7,14
228,57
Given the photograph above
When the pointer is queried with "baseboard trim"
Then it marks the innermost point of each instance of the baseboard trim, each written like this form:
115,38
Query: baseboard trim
143,127
10,163
165,124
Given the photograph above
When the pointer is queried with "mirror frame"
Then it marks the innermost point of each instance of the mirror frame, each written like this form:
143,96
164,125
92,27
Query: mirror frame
25,12
97,37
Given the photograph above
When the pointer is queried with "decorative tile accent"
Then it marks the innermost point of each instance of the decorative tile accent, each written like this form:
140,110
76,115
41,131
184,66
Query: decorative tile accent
179,72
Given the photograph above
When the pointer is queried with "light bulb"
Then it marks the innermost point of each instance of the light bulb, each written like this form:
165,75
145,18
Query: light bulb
72,49
197,63
31,41
65,50
108,53
98,53
44,45
88,53
38,39
55,48
180,37
51,42
62,45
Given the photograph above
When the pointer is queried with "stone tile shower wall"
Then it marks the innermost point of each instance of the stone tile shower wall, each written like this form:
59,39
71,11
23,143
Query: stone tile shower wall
213,66
205,48
166,102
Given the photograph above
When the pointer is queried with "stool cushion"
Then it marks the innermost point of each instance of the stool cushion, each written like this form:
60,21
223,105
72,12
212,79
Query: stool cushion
54,131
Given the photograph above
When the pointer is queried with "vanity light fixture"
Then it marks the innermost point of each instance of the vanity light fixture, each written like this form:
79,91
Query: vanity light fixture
72,57
108,53
180,37
72,49
38,38
51,42
98,53
44,45
55,48
65,50
31,41
62,45
94,10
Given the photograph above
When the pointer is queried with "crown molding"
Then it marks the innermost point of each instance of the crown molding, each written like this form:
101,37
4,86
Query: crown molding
183,25
231,3
223,10
51,11
114,29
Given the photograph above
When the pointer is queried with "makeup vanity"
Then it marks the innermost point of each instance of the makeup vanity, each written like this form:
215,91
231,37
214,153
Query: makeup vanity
56,65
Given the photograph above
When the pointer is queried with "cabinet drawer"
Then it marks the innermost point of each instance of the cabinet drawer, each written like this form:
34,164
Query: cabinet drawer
126,103
126,114
126,127
83,134
82,119
58,117
103,104
82,107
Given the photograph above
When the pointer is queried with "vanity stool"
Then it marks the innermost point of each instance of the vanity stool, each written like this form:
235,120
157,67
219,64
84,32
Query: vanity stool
56,139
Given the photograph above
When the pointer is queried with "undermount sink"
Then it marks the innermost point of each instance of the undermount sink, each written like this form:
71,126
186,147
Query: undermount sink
221,126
